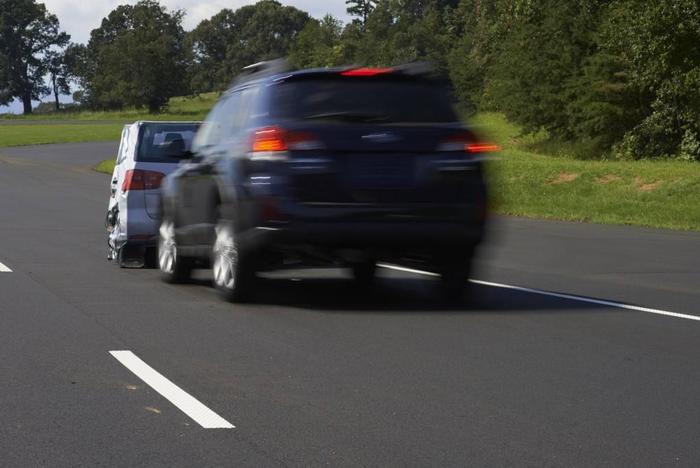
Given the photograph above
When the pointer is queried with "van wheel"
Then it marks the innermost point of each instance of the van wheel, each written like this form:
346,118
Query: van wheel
173,267
231,267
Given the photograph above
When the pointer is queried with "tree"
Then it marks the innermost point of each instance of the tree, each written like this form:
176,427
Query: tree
27,33
230,40
209,43
656,44
135,58
319,44
57,66
544,51
360,8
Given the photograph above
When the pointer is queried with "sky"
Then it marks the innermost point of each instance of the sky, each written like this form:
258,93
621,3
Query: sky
79,17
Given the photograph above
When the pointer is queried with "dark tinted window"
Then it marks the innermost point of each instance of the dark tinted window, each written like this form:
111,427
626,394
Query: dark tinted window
165,142
390,100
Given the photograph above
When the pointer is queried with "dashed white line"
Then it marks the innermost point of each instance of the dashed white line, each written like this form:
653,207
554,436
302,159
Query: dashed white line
4,268
177,396
571,297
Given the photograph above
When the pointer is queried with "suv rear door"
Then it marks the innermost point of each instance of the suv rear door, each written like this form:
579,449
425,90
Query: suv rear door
382,137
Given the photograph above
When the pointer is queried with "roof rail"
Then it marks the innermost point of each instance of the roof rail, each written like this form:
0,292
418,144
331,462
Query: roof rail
262,69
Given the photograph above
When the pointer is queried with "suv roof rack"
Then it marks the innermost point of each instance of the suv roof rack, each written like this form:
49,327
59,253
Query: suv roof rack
262,69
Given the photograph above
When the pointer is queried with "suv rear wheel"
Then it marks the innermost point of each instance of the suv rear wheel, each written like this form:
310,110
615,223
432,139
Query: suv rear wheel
231,267
454,275
174,268
364,272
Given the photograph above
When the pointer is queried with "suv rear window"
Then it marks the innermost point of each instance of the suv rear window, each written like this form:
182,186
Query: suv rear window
165,142
361,100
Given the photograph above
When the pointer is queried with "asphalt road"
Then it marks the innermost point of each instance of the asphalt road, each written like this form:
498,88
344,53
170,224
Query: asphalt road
315,374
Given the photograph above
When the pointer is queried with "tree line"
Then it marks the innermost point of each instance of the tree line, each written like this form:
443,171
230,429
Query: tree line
619,77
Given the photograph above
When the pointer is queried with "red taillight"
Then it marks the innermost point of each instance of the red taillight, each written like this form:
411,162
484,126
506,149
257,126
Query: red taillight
137,179
482,148
269,139
468,143
366,71
276,140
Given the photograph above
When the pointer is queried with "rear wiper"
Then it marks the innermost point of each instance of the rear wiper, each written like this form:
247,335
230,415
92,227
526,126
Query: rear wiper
349,117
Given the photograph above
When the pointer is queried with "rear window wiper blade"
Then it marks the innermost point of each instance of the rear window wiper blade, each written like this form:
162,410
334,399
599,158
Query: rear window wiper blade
349,116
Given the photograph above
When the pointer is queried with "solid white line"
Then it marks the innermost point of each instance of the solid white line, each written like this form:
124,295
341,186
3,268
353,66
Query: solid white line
407,270
571,297
4,269
177,396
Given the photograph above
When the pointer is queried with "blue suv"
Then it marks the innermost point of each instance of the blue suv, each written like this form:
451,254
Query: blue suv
348,167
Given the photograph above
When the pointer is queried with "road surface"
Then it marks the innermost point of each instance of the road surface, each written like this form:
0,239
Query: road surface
315,374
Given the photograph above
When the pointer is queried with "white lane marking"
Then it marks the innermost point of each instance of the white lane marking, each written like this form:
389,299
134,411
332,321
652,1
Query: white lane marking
407,270
4,269
177,396
571,297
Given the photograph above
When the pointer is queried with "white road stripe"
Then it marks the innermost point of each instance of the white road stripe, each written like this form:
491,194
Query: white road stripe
177,396
571,297
4,269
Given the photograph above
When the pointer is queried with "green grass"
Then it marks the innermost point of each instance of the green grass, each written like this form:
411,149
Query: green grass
106,166
77,127
41,134
643,193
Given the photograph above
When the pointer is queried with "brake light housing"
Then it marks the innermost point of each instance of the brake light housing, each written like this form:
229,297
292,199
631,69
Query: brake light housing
468,143
274,143
139,179
365,71
269,139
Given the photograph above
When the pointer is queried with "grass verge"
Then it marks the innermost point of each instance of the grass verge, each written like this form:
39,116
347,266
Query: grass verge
106,166
642,193
46,133
78,127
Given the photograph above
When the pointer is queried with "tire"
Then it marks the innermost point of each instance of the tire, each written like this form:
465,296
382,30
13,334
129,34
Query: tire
364,273
232,270
173,267
454,277
131,257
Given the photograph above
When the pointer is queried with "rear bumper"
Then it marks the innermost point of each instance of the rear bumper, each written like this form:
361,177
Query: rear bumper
384,236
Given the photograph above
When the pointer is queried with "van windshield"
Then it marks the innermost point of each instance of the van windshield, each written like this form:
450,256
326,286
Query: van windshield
165,143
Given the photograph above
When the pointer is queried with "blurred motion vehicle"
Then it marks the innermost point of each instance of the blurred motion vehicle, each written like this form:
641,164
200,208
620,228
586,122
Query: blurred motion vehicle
148,151
348,166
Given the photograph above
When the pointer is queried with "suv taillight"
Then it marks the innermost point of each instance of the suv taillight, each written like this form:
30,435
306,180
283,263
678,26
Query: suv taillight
272,143
138,179
269,139
468,143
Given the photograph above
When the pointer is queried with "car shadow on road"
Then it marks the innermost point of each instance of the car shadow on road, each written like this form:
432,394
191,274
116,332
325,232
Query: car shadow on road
402,295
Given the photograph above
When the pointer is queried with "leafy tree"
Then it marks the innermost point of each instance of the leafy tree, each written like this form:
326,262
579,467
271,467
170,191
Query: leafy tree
136,57
400,31
209,43
480,28
657,44
547,46
229,41
361,9
27,32
319,44
59,67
